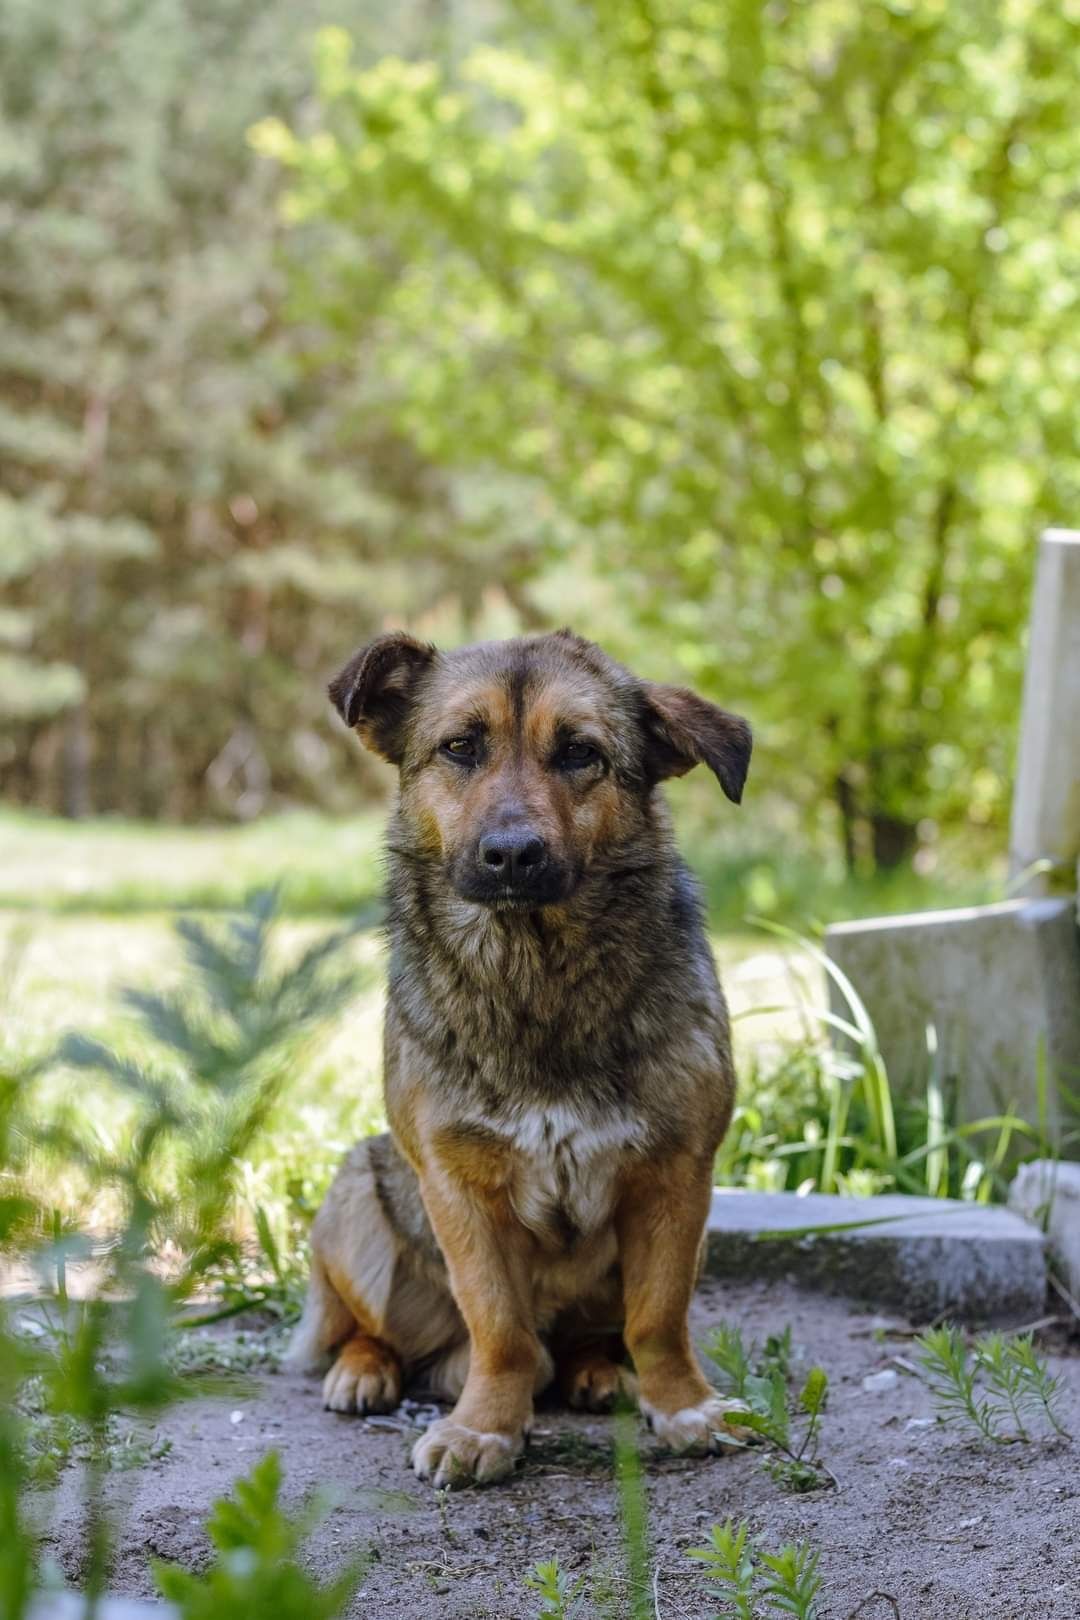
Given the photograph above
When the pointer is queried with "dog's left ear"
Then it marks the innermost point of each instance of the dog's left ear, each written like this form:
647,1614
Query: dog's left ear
374,692
682,731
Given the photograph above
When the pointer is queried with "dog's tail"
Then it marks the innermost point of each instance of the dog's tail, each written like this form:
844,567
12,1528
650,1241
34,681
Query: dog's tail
325,1321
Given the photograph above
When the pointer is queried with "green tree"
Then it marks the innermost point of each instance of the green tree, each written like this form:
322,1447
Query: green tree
196,517
772,306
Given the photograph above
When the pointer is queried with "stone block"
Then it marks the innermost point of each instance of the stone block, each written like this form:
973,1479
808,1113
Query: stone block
1046,802
1047,1192
924,1257
999,984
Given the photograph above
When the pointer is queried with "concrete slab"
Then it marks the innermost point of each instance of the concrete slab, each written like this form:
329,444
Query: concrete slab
1047,1192
1046,802
926,1257
1000,984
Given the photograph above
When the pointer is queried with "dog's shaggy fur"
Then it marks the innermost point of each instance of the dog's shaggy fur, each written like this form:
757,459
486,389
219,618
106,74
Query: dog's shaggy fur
558,1069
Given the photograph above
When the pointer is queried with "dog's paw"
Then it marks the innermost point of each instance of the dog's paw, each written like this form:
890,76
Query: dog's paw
711,1425
449,1455
595,1385
366,1377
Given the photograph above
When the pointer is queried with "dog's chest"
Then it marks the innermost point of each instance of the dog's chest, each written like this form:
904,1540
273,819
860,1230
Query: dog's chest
565,1164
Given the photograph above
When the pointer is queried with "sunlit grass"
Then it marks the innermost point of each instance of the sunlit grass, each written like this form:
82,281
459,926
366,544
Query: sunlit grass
322,866
63,964
67,972
332,867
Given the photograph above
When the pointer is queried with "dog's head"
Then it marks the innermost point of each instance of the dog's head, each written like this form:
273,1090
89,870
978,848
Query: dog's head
526,765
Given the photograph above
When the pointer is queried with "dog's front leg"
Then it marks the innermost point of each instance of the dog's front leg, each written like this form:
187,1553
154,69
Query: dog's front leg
486,1252
659,1220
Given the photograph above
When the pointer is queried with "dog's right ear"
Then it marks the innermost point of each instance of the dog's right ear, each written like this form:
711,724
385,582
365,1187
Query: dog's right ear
374,691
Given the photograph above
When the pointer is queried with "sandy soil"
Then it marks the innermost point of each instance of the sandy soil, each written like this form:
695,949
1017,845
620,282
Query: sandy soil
949,1529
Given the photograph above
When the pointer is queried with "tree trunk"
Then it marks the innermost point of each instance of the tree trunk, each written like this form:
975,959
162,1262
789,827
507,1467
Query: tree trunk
845,797
75,764
893,840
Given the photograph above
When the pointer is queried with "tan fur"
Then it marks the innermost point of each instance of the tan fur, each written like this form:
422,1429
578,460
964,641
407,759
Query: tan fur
558,1070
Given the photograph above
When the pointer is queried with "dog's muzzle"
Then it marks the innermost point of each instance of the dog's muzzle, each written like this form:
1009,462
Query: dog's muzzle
512,865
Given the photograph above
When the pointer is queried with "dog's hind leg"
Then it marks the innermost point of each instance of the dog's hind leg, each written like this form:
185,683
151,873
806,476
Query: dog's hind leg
366,1377
378,1285
593,1374
325,1322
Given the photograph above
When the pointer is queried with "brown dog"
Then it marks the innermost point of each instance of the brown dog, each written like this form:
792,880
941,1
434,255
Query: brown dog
557,1068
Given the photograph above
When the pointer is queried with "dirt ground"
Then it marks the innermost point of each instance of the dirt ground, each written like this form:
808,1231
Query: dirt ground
947,1528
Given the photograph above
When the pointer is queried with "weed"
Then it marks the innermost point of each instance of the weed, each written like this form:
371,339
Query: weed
570,1449
759,1379
633,1512
998,1388
755,1584
824,1115
562,1598
75,1374
255,1571
729,1564
200,1354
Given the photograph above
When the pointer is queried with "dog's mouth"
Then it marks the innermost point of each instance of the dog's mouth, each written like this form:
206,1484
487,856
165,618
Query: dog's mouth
550,887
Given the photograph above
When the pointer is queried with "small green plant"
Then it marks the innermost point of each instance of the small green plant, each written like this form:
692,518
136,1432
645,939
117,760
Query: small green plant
255,1571
755,1584
633,1513
1000,1386
729,1564
562,1598
84,1377
759,1379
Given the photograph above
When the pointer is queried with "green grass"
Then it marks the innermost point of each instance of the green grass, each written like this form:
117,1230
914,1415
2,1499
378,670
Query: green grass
86,910
323,867
331,867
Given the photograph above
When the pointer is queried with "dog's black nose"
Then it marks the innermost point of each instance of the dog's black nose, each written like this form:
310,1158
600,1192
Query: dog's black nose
516,855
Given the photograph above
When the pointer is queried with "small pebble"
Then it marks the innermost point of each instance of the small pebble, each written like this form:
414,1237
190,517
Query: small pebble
875,1382
236,1417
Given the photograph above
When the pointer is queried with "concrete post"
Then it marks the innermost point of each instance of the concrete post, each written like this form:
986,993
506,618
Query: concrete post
1046,800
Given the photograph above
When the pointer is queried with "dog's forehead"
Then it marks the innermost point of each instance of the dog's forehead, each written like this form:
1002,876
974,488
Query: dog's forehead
540,682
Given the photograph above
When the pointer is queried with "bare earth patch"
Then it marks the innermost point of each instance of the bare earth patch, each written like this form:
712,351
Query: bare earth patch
950,1528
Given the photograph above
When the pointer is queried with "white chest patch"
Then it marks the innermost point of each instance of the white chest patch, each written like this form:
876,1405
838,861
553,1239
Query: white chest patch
566,1165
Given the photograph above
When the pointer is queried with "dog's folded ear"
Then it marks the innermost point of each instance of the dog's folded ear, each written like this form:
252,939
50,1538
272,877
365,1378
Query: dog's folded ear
374,691
683,730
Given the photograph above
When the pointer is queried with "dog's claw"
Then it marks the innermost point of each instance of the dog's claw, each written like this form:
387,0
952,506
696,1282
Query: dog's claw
451,1456
361,1386
712,1425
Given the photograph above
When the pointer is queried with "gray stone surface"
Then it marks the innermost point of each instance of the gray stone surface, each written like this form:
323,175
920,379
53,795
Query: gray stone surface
1046,802
926,1257
1048,1193
998,983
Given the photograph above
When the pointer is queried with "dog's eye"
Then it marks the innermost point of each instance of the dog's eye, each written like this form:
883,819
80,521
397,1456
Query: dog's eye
461,749
576,755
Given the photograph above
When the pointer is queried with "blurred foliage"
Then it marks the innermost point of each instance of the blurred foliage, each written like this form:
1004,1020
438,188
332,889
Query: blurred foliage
325,867
768,311
201,509
255,1572
76,1366
742,335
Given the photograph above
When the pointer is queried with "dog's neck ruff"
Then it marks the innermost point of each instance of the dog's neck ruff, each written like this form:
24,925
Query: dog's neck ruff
516,1005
